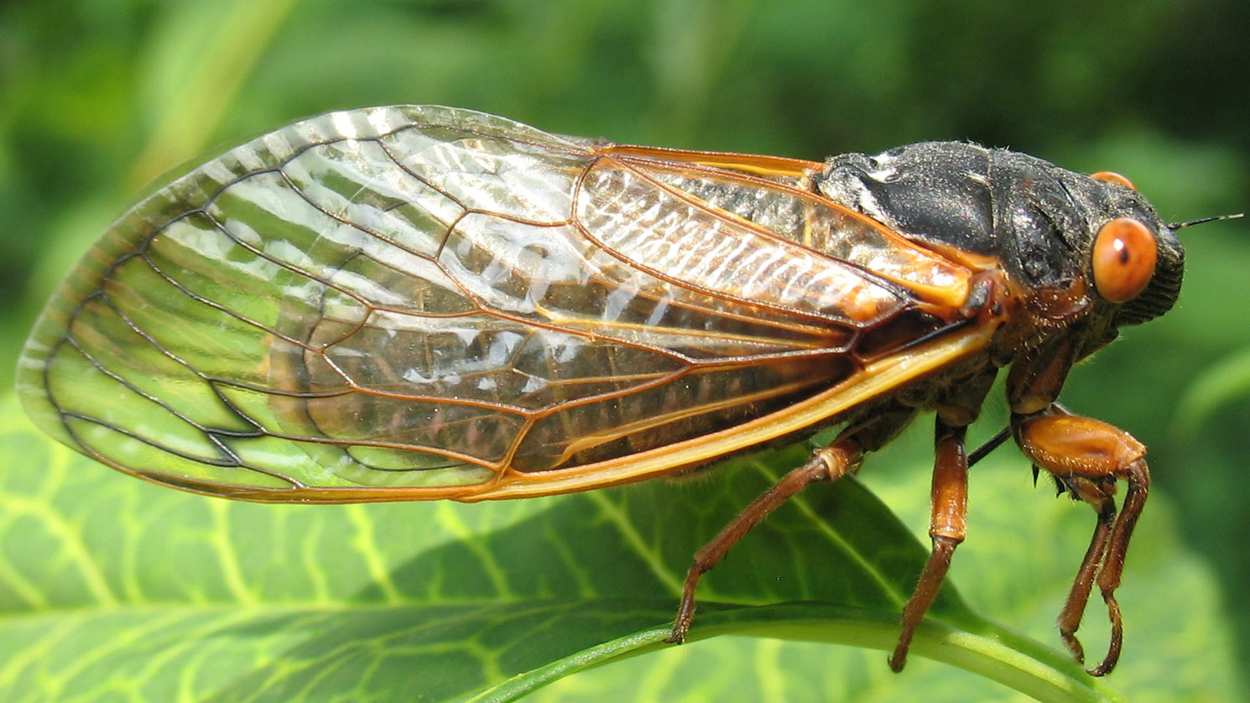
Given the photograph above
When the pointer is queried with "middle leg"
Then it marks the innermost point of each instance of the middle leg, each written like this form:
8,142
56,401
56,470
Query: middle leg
947,528
957,409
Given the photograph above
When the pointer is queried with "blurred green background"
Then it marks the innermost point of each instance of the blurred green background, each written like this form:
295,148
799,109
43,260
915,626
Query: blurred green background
99,97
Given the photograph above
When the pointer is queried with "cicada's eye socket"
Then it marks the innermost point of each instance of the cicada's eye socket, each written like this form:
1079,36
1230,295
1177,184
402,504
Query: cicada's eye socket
1124,259
1113,177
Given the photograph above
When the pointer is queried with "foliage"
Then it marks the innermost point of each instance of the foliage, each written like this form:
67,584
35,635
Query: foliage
109,586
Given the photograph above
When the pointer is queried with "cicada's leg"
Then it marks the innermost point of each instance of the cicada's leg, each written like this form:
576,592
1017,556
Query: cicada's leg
828,464
947,528
956,409
876,426
1083,452
1099,495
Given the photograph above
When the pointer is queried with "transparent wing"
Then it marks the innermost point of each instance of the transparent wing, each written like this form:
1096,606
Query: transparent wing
413,302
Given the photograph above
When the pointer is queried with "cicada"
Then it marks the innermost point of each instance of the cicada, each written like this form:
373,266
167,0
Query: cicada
411,303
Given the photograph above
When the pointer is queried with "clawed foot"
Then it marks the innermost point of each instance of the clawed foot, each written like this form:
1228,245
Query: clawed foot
899,658
685,612
678,633
1074,646
1113,649
1117,637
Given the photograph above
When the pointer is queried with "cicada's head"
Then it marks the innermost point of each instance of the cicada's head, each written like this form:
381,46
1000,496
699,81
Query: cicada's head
1133,260
1077,249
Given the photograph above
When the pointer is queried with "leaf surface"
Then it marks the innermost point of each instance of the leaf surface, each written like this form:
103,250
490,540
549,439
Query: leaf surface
110,587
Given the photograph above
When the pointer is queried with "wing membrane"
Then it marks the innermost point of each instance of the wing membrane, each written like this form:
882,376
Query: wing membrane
680,239
418,302
783,209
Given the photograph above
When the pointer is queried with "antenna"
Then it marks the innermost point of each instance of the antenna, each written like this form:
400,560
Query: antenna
1203,220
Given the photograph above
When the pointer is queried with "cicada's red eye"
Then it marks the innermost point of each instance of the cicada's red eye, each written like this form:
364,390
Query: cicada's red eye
1124,259
1113,177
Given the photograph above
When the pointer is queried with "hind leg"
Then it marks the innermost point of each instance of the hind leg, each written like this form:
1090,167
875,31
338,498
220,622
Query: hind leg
840,458
828,464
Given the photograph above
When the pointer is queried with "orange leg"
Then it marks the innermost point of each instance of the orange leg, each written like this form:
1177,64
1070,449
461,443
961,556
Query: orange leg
947,527
1088,455
1099,495
828,464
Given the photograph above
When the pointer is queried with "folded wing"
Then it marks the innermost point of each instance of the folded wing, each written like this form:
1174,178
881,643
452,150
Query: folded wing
413,302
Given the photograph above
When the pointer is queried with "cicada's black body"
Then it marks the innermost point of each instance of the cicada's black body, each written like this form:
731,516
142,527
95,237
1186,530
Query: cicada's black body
1037,219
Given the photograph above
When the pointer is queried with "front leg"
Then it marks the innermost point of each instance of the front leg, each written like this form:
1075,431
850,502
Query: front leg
1088,455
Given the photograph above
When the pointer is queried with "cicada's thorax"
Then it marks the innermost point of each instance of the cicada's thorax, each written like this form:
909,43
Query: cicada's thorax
1029,225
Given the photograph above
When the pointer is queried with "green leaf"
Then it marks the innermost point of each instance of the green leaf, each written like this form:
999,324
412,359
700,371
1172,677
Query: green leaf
113,588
